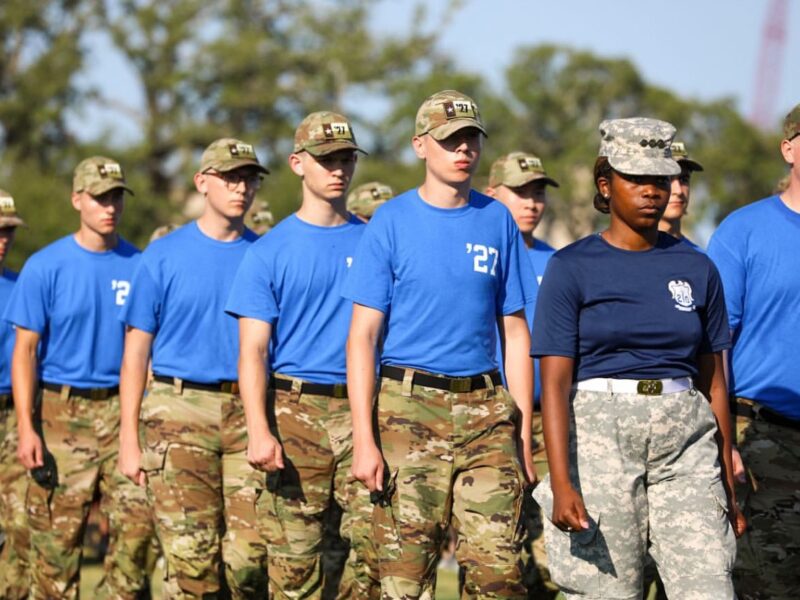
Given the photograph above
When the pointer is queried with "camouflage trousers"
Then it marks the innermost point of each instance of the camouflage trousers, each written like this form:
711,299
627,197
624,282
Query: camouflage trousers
644,465
14,566
450,458
82,435
768,559
316,435
204,493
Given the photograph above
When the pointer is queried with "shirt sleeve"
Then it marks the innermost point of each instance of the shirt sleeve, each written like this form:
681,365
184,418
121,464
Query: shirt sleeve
556,319
370,279
518,286
733,273
253,294
142,308
29,304
716,331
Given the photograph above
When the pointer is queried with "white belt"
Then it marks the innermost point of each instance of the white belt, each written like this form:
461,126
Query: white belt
648,387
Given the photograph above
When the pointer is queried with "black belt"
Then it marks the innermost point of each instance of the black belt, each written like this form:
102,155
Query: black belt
226,387
440,382
6,401
334,390
88,393
757,411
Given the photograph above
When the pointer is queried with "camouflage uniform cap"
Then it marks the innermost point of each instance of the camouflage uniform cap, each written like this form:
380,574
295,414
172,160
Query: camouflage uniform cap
680,154
639,146
444,113
791,124
366,198
517,169
227,154
323,132
8,211
97,175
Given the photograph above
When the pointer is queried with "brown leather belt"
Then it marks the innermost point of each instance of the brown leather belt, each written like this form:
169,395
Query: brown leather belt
440,382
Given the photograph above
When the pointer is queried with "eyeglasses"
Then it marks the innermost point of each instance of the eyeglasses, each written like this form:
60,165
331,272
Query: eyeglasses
233,178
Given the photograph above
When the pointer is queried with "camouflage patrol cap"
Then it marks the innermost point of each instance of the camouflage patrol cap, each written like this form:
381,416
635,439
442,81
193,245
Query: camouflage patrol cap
639,146
8,212
366,198
444,113
517,169
98,174
323,132
791,124
680,154
227,154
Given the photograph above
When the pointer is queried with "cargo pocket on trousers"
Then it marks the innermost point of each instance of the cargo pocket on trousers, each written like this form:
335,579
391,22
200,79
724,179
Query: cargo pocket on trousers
385,516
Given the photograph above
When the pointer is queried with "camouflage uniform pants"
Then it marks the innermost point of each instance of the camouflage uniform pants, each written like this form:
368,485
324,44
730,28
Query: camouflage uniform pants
316,435
643,464
82,435
451,457
768,559
204,493
14,582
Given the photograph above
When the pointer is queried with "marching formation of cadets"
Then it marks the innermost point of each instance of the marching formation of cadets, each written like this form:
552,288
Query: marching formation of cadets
320,411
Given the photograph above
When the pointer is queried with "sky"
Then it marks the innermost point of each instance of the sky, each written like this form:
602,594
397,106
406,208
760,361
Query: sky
703,49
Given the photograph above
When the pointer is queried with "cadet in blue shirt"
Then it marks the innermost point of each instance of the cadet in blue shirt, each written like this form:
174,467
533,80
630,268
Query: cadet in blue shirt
293,320
438,270
194,458
69,346
13,482
757,251
630,327
680,192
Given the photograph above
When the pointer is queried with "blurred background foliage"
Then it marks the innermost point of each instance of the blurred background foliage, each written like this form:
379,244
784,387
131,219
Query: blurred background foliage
253,68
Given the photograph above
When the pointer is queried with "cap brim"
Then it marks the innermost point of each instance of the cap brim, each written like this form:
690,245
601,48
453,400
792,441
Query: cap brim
526,178
329,147
445,131
102,187
638,165
690,164
230,165
11,222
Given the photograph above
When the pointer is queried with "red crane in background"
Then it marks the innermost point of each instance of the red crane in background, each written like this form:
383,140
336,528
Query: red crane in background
770,61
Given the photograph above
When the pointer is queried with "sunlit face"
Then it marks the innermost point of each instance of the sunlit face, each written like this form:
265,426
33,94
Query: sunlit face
526,203
6,240
454,159
102,213
229,194
327,177
636,201
678,204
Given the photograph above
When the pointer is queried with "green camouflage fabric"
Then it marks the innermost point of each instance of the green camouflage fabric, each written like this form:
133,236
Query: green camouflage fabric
791,124
450,458
204,493
681,155
82,435
97,175
639,146
161,231
8,211
316,435
14,566
517,169
261,218
323,132
366,198
768,557
644,465
444,113
227,154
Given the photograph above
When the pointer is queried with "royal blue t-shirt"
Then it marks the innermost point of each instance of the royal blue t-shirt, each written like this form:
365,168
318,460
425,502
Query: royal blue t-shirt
757,252
71,297
442,277
292,278
7,279
178,294
630,315
539,255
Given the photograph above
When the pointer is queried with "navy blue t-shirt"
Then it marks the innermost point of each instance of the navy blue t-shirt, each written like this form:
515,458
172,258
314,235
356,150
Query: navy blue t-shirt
442,277
292,278
630,315
178,294
7,279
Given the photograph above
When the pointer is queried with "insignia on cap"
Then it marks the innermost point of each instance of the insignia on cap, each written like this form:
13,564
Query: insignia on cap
653,143
337,130
678,148
7,205
527,164
460,109
242,150
112,170
376,193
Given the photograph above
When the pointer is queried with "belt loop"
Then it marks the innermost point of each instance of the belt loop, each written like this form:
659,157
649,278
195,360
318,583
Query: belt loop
177,385
408,383
65,389
487,380
297,389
